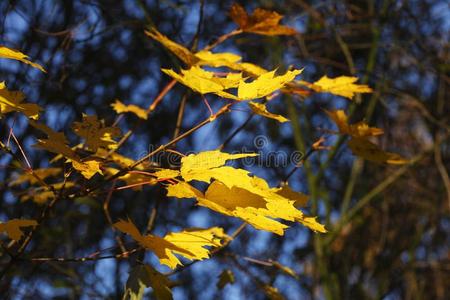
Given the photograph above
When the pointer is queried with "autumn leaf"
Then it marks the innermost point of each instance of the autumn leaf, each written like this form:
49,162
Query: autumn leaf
368,150
224,59
261,109
13,227
142,276
272,293
56,142
342,86
180,51
299,199
226,277
360,129
95,133
265,84
87,168
13,101
43,194
205,82
284,269
17,55
188,243
262,21
120,108
42,174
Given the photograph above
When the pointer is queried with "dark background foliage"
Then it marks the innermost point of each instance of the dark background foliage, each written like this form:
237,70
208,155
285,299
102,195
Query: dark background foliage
388,225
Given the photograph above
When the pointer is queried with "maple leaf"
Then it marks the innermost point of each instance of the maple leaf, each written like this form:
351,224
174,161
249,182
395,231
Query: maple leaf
360,129
56,142
87,168
136,180
42,174
43,194
261,109
13,101
142,276
13,227
205,82
180,51
265,84
119,107
17,55
342,86
224,59
95,133
299,199
188,243
368,150
262,21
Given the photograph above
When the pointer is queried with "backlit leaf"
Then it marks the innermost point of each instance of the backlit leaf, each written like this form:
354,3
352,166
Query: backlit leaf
360,129
28,176
261,109
342,86
120,108
17,55
13,101
87,168
142,276
265,84
189,243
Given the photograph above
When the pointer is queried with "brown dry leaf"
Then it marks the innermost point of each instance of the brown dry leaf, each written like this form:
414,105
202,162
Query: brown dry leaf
262,21
13,227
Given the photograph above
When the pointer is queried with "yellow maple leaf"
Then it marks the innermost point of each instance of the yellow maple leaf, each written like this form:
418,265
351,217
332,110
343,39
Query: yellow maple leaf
223,59
265,84
56,142
368,150
17,55
13,101
43,194
261,109
189,243
342,86
166,174
262,21
180,51
95,133
42,174
205,82
360,129
299,198
13,227
119,107
87,168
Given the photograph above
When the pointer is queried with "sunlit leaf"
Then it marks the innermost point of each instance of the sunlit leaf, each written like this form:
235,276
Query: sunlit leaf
180,51
87,168
360,129
17,55
42,174
261,109
13,101
265,84
262,21
342,86
189,243
120,108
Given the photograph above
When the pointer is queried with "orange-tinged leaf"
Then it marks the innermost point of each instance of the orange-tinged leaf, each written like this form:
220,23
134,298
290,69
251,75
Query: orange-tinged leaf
261,109
17,55
13,101
120,108
205,82
342,86
262,21
180,51
265,84
189,243
359,129
56,142
95,133
368,150
13,227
